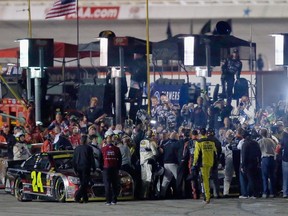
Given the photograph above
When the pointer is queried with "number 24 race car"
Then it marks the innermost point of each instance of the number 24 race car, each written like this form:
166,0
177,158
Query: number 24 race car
50,176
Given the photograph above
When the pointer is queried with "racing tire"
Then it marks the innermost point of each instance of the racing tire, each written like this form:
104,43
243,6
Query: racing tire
60,190
18,190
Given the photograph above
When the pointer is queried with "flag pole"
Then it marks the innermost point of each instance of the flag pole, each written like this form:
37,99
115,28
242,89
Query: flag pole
147,55
28,73
29,19
78,32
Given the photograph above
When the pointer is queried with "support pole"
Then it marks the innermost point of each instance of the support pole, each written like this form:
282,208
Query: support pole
37,84
208,65
118,77
28,81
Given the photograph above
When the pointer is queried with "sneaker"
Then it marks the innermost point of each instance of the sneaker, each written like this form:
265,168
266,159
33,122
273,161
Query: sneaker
107,204
206,201
243,197
252,197
285,196
264,196
113,203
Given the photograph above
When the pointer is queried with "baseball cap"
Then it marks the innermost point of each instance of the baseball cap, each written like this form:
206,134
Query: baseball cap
5,126
17,135
108,133
92,127
118,132
39,123
235,50
195,132
279,123
203,131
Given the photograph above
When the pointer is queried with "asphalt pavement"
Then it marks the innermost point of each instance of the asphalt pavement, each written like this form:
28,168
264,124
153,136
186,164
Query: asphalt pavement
9,206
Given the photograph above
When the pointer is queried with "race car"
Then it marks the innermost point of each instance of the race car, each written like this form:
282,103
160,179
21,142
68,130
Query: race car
50,176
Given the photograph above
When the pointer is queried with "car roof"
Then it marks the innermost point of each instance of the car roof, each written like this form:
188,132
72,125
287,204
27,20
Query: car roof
57,153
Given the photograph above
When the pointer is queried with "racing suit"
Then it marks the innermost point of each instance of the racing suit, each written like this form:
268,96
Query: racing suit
148,152
205,154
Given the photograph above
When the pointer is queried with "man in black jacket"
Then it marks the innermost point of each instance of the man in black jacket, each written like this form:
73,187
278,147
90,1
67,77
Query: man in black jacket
83,163
251,162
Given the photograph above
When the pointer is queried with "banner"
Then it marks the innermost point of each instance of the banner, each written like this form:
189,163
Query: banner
96,13
172,91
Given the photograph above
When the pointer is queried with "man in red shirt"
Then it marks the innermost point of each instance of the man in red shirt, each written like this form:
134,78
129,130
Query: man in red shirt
112,160
75,137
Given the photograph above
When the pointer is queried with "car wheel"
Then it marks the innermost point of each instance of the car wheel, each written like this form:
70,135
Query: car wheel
18,190
60,190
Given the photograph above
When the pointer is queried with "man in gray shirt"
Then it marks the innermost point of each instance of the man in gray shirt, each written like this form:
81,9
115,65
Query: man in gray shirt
267,147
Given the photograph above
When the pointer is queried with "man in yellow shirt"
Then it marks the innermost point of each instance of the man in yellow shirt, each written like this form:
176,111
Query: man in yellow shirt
204,157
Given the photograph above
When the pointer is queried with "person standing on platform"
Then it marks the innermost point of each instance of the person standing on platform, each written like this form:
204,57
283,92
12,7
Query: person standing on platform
138,70
259,63
94,113
231,67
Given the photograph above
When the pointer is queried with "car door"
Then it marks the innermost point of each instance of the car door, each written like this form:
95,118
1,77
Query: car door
40,175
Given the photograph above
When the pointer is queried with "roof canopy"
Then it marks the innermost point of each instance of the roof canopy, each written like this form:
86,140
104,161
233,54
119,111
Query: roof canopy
220,45
61,50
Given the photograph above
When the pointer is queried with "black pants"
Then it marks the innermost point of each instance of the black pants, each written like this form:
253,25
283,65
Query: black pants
182,173
227,83
84,176
253,177
135,96
111,180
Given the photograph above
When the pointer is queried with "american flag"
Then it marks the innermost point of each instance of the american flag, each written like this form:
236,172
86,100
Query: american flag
61,8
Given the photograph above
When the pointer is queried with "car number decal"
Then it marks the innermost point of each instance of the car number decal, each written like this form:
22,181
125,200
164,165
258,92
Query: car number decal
37,181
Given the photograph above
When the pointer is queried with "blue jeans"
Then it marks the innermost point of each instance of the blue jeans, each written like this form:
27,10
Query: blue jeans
268,169
285,178
243,184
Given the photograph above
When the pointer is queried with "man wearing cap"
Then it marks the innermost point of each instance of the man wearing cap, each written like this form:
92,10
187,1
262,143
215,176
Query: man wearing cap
204,156
112,161
231,67
20,149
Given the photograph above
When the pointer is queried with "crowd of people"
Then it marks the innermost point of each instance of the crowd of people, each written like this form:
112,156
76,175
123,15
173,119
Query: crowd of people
174,152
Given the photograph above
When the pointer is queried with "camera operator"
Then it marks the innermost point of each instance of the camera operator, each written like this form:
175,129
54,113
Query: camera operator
155,111
245,112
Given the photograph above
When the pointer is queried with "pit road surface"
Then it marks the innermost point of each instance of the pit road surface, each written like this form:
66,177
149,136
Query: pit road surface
9,206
